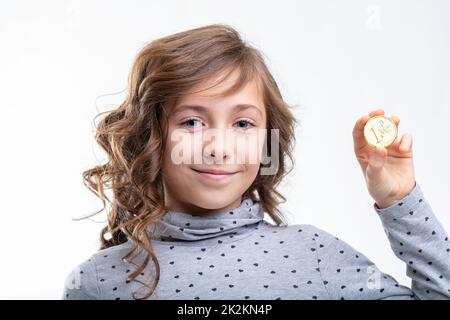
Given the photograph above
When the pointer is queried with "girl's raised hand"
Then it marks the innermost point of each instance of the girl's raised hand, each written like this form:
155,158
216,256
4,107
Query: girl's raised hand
389,172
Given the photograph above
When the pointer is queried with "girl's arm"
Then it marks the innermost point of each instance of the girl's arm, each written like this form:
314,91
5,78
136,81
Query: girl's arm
416,237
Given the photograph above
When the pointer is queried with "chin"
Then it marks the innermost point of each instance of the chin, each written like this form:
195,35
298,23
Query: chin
213,200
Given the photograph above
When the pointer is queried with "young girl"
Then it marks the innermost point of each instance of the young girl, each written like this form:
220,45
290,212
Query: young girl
195,229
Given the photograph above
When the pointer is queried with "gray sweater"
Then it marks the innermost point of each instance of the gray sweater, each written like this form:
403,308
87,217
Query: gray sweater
238,255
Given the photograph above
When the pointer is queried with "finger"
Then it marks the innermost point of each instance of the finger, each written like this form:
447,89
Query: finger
395,119
379,152
377,112
406,143
359,125
402,146
358,133
377,158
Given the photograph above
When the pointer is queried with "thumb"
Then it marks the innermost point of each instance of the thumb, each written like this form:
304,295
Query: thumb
377,159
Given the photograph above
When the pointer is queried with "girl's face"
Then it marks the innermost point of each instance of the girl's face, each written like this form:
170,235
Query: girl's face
213,134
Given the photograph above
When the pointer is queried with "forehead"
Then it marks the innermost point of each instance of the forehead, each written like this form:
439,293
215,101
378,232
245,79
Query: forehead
207,94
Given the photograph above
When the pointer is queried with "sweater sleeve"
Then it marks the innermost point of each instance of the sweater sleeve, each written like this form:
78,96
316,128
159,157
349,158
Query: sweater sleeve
416,237
81,283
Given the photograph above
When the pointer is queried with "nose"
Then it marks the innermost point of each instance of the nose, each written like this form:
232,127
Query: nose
218,147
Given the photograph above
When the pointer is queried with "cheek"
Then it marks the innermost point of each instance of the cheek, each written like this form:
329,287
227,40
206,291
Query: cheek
249,148
181,148
176,177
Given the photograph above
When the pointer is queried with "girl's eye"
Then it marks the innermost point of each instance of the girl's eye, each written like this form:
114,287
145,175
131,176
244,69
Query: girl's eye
192,123
195,123
244,124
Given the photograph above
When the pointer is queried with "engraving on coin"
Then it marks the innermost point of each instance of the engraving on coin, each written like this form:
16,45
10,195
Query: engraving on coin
380,131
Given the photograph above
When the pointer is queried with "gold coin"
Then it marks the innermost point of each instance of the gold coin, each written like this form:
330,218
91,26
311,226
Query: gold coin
380,131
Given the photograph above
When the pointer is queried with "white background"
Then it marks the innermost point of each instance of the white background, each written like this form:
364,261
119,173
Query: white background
336,60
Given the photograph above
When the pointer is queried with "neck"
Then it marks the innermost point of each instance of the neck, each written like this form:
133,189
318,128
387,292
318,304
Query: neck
182,206
189,225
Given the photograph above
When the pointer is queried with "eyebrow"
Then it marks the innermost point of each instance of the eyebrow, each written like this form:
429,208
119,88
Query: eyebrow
202,109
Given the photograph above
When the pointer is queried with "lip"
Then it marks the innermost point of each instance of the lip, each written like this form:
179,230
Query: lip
215,175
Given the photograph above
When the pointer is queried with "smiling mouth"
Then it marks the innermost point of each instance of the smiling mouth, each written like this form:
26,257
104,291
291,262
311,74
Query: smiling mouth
215,175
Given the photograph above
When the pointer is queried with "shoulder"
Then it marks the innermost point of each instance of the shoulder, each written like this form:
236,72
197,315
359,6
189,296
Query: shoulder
301,236
333,250
333,253
82,283
322,241
299,230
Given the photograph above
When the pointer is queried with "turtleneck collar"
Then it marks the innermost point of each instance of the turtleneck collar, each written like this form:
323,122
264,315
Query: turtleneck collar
176,226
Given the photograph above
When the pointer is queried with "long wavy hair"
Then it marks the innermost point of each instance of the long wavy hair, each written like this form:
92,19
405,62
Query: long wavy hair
133,135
